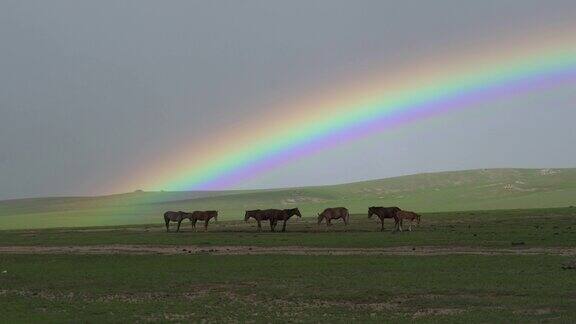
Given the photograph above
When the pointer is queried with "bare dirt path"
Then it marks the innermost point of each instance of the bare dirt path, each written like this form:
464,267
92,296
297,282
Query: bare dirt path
289,250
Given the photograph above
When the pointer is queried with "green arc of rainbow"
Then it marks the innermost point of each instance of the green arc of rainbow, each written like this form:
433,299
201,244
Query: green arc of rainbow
222,169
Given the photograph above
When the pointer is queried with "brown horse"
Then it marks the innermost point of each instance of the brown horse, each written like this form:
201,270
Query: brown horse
258,215
406,215
334,213
384,212
172,216
202,216
276,215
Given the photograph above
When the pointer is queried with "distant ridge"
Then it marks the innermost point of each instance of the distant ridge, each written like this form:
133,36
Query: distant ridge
425,192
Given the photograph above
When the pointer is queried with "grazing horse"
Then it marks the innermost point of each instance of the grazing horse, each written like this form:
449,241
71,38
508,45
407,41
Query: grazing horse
172,216
334,213
281,215
384,212
258,215
203,216
406,215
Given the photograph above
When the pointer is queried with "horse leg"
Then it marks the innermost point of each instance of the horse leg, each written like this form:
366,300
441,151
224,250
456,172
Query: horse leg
206,225
167,221
382,227
178,229
259,225
284,226
272,225
194,224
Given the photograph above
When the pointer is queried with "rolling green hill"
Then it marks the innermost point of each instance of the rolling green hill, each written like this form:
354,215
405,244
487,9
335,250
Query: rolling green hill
430,192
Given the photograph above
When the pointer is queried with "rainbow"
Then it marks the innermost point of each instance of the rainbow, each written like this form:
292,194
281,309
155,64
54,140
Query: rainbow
301,129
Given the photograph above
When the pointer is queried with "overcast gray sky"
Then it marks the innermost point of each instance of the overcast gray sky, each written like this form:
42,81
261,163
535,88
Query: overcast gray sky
91,89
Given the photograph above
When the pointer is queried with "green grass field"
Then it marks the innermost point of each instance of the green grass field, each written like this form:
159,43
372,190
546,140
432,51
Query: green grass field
534,227
198,288
480,255
205,287
434,192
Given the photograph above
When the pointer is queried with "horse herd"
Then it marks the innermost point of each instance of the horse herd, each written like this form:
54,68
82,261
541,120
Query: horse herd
276,215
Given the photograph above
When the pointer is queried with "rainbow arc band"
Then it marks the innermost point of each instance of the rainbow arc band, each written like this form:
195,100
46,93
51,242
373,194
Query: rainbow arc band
378,115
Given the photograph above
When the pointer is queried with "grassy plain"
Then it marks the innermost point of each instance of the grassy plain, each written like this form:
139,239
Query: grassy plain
266,288
432,192
533,227
523,273
300,288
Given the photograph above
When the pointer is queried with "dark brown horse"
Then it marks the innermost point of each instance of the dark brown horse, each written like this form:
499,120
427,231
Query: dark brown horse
384,212
258,215
172,216
412,217
284,215
205,216
334,213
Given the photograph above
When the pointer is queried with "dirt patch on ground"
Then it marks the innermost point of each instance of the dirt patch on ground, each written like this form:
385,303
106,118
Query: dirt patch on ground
194,292
436,311
288,250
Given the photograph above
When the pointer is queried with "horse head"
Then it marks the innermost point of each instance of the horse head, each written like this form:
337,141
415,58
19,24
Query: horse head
250,213
294,211
371,211
183,214
291,212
